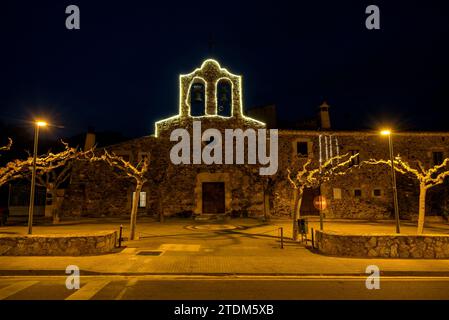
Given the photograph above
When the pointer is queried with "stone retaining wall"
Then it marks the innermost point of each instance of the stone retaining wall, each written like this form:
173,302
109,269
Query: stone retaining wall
58,244
383,245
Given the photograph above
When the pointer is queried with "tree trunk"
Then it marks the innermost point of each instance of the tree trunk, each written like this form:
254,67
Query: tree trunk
298,201
54,212
132,227
294,226
161,212
267,206
422,208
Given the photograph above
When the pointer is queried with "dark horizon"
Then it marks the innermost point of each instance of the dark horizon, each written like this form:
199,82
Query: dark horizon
119,72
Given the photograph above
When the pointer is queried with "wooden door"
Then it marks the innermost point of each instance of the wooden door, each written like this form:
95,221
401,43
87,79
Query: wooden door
213,197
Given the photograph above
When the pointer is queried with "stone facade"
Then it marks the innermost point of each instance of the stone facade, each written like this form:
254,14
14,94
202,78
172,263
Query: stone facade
383,245
373,182
365,193
58,245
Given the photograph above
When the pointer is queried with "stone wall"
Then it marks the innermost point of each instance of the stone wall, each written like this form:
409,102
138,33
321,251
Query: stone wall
97,190
383,245
410,146
58,244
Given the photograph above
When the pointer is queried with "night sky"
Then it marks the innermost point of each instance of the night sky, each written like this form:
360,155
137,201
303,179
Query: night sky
120,71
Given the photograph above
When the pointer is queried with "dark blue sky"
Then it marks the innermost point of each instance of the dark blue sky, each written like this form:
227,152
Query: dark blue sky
120,71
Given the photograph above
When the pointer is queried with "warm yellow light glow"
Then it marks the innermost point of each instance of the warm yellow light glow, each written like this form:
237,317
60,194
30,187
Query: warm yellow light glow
41,123
385,132
199,75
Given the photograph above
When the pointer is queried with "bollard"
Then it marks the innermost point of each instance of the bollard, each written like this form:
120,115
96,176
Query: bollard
313,238
282,238
120,236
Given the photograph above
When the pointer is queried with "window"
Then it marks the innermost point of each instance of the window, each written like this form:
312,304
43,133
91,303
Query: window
357,193
302,148
337,193
377,192
355,161
437,158
142,199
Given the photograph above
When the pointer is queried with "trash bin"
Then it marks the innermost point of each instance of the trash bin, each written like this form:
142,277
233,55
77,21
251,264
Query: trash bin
303,226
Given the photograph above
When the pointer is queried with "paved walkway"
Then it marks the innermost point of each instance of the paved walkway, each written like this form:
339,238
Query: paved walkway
240,246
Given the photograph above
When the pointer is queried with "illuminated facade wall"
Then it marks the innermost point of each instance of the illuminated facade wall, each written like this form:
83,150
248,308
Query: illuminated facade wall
210,74
366,193
176,189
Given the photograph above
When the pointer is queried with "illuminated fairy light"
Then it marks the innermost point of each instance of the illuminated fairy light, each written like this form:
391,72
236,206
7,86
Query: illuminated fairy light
337,146
212,70
327,148
210,74
320,148
331,153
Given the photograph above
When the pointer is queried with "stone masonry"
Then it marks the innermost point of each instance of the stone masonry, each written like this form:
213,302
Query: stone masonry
383,245
57,244
364,193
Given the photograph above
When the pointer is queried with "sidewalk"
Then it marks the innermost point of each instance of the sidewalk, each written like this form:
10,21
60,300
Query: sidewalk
191,248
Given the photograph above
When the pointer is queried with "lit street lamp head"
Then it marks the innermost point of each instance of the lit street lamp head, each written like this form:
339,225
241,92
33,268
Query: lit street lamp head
41,123
385,132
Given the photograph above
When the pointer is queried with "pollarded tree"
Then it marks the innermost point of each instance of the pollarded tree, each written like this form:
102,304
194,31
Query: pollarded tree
18,168
427,179
138,173
51,180
313,177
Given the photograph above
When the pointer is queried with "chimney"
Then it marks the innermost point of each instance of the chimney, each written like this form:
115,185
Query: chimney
90,139
325,121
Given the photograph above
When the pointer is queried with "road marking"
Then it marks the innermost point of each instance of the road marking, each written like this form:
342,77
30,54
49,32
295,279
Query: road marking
128,251
129,284
15,288
89,290
179,247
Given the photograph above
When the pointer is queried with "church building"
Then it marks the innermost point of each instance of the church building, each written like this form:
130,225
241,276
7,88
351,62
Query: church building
212,97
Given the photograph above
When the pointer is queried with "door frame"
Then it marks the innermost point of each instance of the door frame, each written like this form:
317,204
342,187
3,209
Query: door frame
211,177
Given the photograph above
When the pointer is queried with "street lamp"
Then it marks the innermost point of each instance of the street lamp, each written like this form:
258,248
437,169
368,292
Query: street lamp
37,124
393,178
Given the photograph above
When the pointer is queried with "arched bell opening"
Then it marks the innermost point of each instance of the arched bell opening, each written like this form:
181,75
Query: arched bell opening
197,99
224,98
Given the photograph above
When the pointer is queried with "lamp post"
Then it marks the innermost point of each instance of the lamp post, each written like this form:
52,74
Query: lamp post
393,178
37,124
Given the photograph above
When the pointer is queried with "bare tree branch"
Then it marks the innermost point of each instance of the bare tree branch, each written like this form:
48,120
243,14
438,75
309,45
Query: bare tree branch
17,169
425,177
8,146
138,173
307,177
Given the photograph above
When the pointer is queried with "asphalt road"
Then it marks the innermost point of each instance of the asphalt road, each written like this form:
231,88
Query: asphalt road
220,288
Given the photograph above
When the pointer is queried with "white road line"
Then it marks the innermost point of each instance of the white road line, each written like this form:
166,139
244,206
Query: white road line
129,284
89,290
15,288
